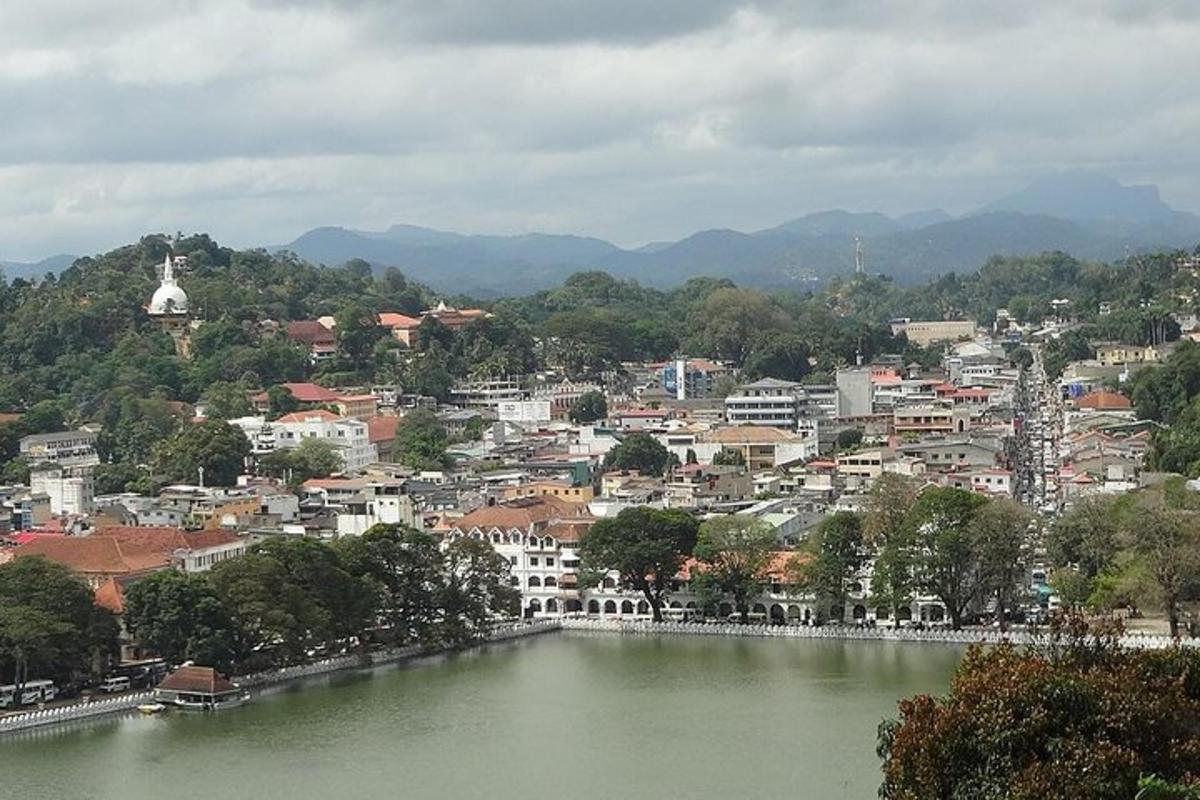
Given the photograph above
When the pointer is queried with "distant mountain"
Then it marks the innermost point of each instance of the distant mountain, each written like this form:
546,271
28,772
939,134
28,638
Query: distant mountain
36,269
1088,215
1085,196
911,248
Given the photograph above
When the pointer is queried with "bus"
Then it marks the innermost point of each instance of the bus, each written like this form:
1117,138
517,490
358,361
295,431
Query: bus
39,691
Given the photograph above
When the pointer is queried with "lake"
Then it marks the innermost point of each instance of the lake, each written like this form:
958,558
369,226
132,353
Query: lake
570,715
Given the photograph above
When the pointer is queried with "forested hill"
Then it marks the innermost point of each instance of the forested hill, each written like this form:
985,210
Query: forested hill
80,348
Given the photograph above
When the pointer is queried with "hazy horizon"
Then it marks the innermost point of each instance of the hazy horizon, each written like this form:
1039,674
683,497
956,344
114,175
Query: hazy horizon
631,122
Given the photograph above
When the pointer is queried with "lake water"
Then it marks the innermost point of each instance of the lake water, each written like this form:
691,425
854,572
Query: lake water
572,716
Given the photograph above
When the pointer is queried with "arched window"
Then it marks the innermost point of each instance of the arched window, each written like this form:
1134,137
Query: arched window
725,609
627,607
574,606
793,612
860,612
610,607
609,583
551,606
936,613
535,605
550,582
882,612
593,606
904,614
548,543
535,582
643,607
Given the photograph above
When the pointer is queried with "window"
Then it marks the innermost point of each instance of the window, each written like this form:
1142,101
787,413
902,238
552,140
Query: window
549,562
533,561
512,560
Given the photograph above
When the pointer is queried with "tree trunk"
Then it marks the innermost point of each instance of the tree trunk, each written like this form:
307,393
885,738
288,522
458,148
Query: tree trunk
1173,617
1001,609
955,616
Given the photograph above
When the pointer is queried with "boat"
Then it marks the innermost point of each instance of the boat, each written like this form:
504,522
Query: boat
151,708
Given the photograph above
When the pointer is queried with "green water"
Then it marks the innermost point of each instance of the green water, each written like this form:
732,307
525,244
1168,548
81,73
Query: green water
570,716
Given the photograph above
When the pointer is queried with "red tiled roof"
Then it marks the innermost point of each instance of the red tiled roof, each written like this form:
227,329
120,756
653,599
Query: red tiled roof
111,595
303,416
522,513
382,429
1102,399
310,332
310,393
390,319
197,680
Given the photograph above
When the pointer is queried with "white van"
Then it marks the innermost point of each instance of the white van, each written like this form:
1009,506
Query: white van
114,685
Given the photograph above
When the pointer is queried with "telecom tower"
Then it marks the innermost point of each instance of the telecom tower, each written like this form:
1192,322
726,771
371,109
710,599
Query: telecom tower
858,256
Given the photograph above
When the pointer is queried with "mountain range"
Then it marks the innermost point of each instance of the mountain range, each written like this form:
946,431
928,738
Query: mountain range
1088,215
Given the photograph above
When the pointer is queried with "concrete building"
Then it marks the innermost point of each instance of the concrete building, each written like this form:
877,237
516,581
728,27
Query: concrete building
927,332
855,392
351,437
769,402
699,377
62,466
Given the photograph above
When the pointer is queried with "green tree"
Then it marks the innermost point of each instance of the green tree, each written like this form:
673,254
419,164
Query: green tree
405,568
1002,544
181,618
1084,542
942,521
588,407
475,591
837,556
274,616
214,446
1080,718
778,355
638,451
734,552
357,332
50,626
645,546
729,456
421,440
886,529
280,401
849,439
224,400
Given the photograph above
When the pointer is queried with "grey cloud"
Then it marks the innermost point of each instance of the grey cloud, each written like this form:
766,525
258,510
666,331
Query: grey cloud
631,120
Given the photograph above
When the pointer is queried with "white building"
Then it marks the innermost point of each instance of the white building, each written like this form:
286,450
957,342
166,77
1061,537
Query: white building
61,466
362,503
351,437
767,402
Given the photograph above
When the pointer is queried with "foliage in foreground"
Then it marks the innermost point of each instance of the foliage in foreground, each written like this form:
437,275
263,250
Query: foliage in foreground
1079,717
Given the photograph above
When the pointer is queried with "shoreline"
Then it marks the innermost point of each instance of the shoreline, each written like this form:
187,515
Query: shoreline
95,709
845,633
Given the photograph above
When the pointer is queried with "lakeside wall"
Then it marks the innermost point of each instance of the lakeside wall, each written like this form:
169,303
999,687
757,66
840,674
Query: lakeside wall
88,709
842,632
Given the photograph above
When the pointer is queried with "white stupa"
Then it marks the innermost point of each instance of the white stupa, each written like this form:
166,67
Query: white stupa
169,300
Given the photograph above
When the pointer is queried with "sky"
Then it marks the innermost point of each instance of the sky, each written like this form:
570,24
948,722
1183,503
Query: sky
632,120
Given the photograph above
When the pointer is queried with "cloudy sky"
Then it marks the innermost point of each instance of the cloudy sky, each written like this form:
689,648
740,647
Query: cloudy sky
633,120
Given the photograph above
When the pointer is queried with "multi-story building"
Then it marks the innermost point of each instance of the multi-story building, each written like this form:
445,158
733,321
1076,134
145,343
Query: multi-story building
699,377
855,392
931,419
927,332
769,401
488,393
351,437
62,466
361,503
